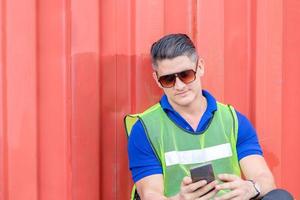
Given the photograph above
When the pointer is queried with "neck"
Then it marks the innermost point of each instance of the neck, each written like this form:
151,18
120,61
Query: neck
196,108
193,112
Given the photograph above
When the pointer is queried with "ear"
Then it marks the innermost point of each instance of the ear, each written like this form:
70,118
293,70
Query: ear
201,66
154,75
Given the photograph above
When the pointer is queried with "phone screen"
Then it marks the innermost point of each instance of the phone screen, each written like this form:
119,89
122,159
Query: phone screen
203,172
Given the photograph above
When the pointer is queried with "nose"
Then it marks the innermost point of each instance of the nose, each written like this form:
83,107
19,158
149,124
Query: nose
179,85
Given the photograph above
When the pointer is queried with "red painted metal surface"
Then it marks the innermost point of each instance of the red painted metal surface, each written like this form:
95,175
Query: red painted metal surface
70,71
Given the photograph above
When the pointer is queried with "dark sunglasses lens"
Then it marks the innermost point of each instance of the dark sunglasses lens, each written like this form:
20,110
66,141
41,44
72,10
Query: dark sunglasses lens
187,76
167,80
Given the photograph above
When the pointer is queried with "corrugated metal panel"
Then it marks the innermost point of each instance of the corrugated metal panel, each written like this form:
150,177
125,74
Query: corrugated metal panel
289,157
19,109
70,71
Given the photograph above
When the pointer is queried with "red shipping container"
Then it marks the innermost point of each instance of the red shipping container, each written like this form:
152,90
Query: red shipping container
70,70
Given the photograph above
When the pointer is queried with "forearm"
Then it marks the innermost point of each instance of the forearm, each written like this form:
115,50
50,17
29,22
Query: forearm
265,182
152,196
255,168
157,196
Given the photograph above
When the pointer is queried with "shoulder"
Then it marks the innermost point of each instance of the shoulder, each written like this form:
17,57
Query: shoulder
228,112
247,140
137,137
244,122
142,159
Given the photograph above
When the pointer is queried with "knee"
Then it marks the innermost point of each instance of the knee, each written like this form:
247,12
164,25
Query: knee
279,194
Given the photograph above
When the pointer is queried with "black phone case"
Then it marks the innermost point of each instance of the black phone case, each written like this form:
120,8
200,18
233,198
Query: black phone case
204,172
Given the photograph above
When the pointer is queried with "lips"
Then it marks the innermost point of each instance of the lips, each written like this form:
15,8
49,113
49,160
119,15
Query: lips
181,93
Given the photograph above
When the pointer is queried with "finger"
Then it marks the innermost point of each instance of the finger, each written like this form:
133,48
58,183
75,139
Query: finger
236,198
209,195
228,177
188,187
186,181
228,195
195,186
228,185
206,188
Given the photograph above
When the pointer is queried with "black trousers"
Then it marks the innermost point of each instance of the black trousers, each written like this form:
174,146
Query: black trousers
278,194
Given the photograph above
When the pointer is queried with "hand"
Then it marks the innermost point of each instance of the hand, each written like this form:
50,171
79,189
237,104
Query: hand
196,191
240,189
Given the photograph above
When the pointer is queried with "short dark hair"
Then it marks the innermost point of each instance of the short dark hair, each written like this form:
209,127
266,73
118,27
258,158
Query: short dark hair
171,46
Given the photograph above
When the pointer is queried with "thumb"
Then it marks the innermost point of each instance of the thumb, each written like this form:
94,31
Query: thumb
186,180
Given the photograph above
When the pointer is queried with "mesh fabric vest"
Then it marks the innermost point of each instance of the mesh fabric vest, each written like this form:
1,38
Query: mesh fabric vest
179,150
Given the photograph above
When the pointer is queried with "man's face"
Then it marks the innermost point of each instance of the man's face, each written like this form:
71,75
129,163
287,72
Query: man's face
180,94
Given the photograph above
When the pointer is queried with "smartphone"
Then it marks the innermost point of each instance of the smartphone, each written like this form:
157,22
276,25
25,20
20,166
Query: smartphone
203,172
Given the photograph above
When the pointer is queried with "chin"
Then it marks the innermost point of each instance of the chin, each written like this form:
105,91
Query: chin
184,101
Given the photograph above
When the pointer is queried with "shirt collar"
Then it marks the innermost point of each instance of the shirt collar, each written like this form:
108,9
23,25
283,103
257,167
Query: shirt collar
211,103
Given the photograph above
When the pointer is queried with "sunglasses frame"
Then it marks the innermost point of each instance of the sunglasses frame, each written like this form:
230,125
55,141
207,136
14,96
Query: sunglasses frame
176,75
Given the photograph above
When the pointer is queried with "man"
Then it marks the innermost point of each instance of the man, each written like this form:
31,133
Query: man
189,127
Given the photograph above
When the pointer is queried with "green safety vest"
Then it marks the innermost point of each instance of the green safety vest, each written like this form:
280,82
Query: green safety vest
179,150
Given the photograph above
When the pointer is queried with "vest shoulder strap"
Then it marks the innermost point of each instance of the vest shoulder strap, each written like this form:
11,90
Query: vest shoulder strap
131,119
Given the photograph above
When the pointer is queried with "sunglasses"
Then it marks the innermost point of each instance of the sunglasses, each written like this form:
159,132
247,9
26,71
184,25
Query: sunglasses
169,80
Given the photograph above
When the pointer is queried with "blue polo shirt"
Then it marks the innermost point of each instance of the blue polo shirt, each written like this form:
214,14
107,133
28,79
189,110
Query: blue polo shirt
142,159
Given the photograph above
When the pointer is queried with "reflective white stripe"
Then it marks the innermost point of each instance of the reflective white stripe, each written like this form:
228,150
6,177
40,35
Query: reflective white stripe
198,156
